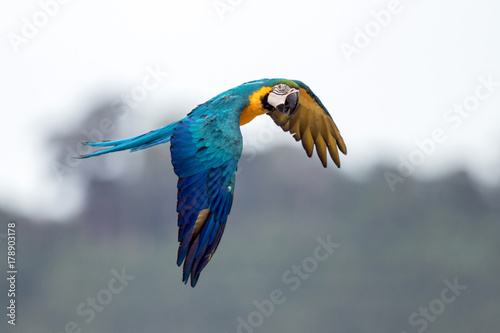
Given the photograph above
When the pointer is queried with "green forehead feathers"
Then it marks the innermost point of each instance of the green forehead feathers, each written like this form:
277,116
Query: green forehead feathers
289,83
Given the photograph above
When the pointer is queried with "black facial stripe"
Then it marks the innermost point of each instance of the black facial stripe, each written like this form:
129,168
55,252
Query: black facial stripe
265,104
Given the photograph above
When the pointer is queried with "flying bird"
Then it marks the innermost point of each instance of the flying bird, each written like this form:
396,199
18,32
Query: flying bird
205,148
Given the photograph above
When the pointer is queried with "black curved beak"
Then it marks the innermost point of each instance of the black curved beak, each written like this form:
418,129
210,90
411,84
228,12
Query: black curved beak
284,103
291,103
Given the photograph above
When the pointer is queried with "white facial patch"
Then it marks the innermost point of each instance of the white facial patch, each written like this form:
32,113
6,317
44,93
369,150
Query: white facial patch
278,94
281,89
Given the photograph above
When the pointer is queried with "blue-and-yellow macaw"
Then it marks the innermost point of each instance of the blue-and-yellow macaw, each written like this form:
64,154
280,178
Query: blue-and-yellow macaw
205,148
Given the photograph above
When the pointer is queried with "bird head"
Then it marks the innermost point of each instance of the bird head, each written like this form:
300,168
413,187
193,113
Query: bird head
283,98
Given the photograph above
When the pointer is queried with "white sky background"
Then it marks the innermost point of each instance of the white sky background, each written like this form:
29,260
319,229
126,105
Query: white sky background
394,91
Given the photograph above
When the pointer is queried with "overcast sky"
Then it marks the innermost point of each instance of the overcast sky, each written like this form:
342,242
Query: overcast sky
390,72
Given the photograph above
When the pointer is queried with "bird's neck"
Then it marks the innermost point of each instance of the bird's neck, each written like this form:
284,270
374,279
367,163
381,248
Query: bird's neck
254,108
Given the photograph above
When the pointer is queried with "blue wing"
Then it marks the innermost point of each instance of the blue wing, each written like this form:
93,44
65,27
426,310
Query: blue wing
205,149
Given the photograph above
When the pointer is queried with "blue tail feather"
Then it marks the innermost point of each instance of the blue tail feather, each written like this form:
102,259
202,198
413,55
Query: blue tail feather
143,141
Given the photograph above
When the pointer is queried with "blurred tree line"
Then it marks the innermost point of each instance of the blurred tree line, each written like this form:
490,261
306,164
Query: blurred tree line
396,249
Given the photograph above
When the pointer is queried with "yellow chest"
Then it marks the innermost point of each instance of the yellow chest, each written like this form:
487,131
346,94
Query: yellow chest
255,108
